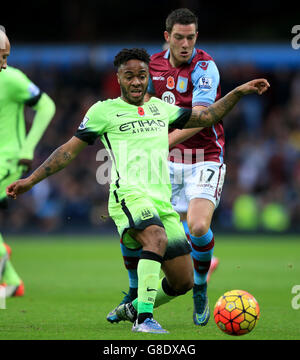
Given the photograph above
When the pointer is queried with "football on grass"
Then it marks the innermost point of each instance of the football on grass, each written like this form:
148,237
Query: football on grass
236,312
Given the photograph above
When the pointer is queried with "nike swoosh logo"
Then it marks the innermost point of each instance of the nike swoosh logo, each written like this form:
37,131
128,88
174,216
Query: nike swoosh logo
149,289
121,114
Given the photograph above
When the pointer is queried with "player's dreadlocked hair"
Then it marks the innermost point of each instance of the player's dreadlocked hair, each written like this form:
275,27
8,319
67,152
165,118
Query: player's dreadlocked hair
2,28
181,16
131,54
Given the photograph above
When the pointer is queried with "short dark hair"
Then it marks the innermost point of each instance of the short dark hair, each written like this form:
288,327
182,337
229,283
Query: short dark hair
2,28
131,54
182,16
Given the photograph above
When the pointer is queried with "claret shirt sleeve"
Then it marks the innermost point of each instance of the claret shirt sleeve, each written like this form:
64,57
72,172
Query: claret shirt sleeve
93,125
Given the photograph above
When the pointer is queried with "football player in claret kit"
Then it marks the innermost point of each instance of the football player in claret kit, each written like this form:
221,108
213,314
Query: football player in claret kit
17,146
188,77
140,205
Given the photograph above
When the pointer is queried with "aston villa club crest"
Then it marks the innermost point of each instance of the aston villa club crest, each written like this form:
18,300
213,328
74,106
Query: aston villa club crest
182,84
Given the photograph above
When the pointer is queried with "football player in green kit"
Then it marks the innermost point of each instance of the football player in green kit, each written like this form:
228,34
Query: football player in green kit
17,147
136,136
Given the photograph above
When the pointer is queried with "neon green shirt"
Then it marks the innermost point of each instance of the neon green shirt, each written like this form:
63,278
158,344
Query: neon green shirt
136,139
16,90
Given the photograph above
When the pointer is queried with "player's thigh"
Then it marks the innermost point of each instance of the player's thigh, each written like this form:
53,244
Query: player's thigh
153,238
133,215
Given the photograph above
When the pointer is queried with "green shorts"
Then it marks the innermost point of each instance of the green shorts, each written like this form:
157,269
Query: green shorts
10,171
140,212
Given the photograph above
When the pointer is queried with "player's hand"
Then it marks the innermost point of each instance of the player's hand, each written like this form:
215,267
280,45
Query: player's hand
26,163
257,86
18,187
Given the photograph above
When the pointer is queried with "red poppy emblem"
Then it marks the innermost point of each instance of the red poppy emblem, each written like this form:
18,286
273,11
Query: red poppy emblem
170,82
141,111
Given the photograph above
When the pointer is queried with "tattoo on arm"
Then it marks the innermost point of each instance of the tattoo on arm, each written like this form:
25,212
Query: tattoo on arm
214,113
58,160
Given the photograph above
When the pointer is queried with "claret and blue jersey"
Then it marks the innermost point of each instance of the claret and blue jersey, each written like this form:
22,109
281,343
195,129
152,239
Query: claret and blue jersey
196,83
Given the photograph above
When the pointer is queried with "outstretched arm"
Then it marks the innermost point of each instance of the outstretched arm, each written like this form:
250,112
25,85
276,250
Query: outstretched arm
180,135
215,112
57,161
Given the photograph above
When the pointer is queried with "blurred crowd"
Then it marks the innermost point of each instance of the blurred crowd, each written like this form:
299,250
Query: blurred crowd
262,186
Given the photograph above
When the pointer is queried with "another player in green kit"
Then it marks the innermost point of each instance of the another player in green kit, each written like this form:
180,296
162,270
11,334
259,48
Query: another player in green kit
17,146
136,136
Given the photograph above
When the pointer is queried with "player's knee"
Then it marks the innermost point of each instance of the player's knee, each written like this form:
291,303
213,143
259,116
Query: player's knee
156,238
199,227
160,237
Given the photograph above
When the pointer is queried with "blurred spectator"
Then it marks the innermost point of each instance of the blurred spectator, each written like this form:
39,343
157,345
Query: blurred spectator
245,213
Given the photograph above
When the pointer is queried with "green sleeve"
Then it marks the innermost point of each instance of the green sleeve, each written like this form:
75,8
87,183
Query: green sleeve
45,109
180,119
178,116
93,125
23,89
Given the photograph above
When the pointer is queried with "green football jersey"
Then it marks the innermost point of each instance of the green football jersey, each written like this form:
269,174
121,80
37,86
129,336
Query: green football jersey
16,90
136,138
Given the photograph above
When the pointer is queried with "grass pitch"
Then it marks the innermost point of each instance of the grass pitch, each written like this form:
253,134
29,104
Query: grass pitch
73,282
